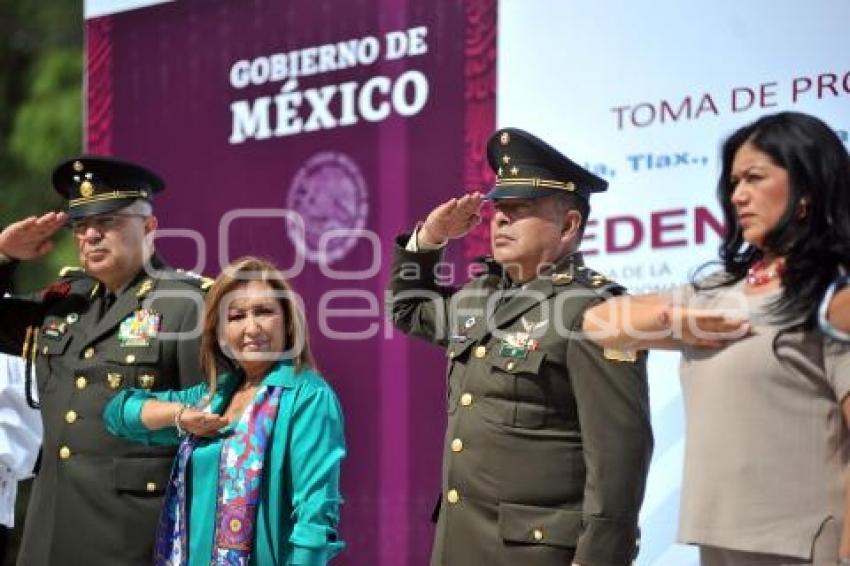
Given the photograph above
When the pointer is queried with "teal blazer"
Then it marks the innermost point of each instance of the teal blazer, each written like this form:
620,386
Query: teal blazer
298,513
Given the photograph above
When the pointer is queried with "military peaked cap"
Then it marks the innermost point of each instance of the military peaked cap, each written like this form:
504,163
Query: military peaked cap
527,167
98,185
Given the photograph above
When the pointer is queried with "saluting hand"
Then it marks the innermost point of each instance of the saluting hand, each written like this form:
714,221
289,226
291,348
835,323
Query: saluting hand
452,219
31,237
201,423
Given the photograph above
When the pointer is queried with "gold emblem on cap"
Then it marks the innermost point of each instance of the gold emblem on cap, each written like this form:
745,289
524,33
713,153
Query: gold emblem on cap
506,159
505,138
514,170
146,381
86,189
78,166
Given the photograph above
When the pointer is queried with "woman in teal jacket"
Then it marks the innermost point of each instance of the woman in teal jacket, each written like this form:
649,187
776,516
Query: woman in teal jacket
256,479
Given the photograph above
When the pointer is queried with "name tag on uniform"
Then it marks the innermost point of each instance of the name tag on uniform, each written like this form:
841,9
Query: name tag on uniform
139,328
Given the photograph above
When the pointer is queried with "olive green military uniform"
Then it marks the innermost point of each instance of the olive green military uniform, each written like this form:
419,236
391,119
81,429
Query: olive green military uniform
96,498
548,440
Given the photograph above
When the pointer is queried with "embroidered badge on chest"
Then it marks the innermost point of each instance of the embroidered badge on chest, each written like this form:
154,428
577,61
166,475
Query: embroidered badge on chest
55,329
518,344
139,328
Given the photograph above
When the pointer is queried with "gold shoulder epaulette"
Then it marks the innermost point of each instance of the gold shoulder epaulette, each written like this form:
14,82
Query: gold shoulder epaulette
203,282
597,282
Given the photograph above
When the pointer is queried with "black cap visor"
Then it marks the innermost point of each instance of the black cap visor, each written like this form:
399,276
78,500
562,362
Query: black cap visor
99,207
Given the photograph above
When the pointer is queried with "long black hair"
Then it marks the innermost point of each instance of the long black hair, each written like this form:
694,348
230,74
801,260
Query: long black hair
815,245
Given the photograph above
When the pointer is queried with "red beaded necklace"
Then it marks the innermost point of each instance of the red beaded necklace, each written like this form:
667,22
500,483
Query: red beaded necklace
761,273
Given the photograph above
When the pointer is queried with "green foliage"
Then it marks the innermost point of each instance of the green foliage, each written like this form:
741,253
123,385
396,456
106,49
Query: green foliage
48,123
41,75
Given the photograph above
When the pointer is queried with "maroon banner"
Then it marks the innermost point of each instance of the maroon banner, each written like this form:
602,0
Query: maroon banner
311,133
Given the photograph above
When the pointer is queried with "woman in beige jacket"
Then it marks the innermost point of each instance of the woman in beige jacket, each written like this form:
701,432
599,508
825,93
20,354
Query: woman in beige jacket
767,394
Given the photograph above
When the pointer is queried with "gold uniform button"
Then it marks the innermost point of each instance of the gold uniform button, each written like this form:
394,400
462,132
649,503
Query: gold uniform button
466,399
64,452
537,534
82,382
510,365
480,351
150,487
89,353
452,496
130,358
457,445
71,417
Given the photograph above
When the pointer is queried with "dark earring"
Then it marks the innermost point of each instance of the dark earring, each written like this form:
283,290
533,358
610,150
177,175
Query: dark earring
803,208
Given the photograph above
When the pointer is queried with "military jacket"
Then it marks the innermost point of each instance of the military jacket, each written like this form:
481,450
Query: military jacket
548,441
96,498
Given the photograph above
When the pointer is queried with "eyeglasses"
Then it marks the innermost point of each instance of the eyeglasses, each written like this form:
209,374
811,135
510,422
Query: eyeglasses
843,280
101,223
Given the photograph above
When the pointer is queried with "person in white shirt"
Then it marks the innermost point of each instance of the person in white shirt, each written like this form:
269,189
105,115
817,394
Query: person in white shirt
20,439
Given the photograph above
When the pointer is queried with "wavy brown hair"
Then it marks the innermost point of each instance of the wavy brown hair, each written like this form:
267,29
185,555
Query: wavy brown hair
240,272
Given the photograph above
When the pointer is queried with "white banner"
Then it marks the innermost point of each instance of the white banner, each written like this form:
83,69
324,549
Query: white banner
97,8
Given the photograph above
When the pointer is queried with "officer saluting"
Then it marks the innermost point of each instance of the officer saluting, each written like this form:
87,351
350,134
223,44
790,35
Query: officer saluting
548,440
113,324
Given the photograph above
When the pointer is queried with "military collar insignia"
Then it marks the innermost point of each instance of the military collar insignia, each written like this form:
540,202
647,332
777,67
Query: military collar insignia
140,328
145,288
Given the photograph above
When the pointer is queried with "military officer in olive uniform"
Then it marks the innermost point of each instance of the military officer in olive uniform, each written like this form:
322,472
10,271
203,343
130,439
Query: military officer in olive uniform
548,440
124,320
